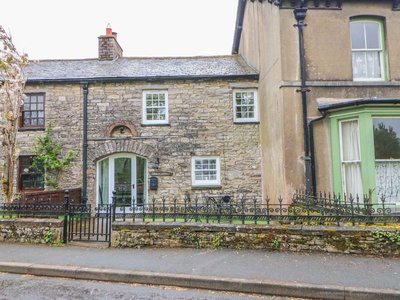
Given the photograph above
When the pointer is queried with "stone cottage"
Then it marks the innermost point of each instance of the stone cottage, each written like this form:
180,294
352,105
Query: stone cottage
145,127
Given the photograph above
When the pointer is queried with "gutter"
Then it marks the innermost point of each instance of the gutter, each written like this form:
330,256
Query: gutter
134,79
357,102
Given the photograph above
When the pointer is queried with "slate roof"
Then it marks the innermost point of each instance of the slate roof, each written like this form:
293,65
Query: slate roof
232,66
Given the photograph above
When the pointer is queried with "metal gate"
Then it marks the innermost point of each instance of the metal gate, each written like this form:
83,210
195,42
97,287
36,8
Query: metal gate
87,224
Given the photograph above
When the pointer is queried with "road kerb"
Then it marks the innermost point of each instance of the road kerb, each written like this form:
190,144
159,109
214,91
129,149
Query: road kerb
263,287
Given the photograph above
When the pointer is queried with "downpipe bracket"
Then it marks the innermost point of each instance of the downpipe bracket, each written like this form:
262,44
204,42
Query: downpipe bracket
303,90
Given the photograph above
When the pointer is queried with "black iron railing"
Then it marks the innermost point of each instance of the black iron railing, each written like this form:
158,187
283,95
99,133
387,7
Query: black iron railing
302,209
332,209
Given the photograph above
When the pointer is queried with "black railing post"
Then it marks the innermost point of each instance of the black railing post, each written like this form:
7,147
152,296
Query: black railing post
153,206
66,215
186,203
175,208
163,207
352,208
337,206
255,210
242,200
113,204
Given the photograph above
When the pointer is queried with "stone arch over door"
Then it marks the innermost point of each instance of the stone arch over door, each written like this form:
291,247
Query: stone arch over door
106,148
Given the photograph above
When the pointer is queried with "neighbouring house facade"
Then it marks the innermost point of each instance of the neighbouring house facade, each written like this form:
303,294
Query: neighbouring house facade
145,127
329,94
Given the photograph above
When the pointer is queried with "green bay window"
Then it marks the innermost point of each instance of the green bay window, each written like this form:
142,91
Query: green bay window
366,152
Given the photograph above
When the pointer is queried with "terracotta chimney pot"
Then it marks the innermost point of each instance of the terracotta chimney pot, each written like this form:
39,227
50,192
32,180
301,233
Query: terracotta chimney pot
109,30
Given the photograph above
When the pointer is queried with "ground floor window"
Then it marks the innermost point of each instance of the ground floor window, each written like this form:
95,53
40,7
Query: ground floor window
30,178
127,175
366,152
205,171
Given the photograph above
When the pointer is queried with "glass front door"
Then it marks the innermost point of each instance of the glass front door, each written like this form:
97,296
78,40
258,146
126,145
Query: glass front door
127,175
124,182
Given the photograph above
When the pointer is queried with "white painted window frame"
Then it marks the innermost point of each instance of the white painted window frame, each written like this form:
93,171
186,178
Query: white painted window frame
245,120
200,183
145,107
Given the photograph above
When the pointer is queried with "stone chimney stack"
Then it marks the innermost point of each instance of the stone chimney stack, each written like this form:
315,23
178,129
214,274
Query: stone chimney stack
109,49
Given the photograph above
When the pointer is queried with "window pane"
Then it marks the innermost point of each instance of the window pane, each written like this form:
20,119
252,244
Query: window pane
359,65
357,35
373,65
33,111
351,158
373,35
350,141
387,138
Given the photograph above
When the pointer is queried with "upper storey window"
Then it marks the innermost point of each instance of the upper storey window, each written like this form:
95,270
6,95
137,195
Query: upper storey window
155,107
32,114
245,106
367,48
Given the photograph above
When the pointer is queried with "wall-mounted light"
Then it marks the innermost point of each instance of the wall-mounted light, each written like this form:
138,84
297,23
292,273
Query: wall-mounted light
157,163
122,129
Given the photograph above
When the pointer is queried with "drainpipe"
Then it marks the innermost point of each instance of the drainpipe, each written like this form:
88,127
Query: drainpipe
312,149
300,14
85,145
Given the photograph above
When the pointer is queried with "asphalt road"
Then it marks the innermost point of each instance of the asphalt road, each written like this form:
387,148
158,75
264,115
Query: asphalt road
17,287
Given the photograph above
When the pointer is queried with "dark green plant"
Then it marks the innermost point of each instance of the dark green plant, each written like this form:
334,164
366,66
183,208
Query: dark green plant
275,244
48,237
392,237
217,241
48,158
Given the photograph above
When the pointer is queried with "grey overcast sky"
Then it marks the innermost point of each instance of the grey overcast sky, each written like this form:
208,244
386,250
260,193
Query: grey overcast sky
56,29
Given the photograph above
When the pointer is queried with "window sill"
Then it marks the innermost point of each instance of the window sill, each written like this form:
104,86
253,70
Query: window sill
206,187
155,124
246,122
339,83
32,129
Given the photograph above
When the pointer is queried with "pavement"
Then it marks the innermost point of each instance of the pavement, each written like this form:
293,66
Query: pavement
299,275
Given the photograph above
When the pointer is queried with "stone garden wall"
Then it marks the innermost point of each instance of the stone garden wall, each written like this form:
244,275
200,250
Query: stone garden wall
383,241
38,231
354,240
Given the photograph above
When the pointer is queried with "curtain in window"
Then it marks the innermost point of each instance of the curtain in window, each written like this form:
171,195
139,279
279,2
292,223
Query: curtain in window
351,158
387,158
388,180
366,64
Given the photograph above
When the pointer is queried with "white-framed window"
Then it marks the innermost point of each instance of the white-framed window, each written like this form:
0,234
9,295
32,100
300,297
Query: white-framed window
367,47
155,107
245,106
205,171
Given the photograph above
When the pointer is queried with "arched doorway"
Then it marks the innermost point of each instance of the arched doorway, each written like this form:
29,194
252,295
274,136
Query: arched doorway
124,173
